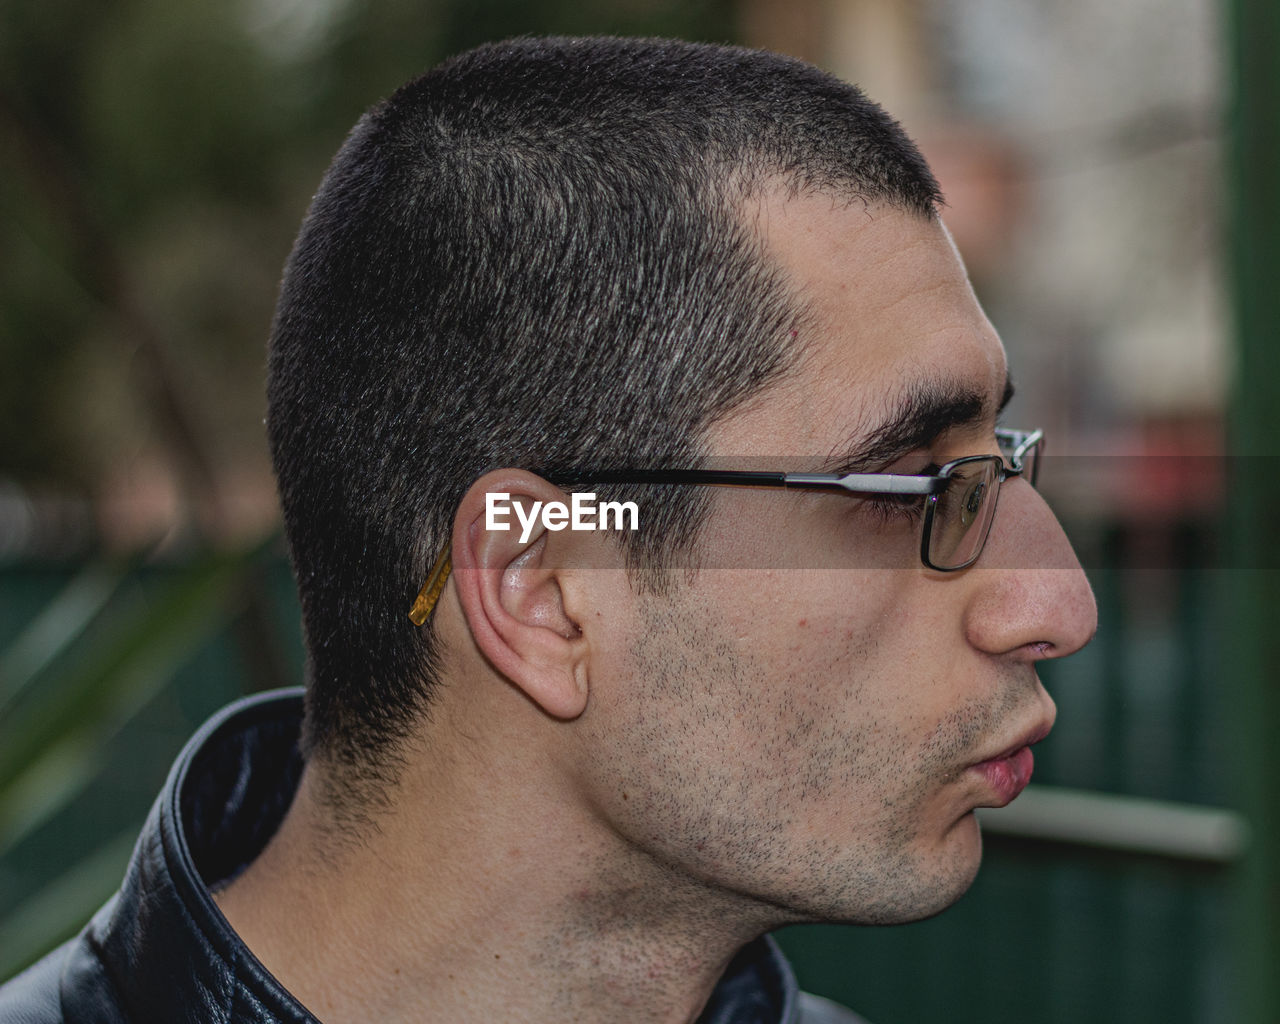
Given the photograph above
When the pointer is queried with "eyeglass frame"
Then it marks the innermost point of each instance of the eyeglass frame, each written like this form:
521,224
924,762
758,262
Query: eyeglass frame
1015,445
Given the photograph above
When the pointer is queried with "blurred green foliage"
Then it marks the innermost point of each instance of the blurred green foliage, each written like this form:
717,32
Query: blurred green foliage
155,160
93,695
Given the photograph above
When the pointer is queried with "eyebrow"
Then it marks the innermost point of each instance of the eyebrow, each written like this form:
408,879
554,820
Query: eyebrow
925,411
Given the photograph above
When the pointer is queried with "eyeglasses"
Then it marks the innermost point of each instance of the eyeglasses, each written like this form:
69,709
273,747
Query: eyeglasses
959,499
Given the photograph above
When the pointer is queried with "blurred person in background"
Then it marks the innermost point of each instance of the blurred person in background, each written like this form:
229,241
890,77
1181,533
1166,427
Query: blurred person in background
591,770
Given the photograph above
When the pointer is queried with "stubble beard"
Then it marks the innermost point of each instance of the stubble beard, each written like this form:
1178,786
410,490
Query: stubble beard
739,811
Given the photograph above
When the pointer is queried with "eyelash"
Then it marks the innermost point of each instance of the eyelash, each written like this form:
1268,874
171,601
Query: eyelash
888,508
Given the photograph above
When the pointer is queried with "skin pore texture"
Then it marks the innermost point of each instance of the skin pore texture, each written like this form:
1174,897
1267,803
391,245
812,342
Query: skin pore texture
616,790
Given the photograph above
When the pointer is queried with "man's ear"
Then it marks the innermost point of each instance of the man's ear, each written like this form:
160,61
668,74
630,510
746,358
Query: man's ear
510,591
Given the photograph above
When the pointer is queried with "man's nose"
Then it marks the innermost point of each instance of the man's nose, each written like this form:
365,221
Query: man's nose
1030,594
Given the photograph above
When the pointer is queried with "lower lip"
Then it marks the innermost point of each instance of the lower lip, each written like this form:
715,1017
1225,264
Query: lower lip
1008,776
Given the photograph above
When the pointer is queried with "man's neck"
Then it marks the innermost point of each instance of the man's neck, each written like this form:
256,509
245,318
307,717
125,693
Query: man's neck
478,902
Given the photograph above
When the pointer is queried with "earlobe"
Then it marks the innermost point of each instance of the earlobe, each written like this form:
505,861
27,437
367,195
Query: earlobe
511,594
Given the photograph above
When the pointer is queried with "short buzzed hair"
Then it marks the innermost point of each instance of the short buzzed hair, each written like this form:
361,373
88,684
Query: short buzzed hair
534,255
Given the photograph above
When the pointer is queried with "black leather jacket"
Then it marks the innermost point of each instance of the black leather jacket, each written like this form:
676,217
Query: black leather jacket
161,952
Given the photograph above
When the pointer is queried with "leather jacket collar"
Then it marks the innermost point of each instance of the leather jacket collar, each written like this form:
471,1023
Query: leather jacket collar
161,950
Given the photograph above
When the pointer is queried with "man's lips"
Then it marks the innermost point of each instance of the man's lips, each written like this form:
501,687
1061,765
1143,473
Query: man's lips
1008,773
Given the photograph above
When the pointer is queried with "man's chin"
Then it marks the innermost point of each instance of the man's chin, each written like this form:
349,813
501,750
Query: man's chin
954,867
918,884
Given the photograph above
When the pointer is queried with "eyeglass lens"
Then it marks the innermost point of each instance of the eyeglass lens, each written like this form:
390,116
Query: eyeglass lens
962,514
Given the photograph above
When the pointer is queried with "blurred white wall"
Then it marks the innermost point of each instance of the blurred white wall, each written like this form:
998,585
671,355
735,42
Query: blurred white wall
1078,145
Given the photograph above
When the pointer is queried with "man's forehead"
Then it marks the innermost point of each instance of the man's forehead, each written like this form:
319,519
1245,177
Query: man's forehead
824,240
892,346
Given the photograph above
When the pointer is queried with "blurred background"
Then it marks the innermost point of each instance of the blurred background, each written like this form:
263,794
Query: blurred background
1111,169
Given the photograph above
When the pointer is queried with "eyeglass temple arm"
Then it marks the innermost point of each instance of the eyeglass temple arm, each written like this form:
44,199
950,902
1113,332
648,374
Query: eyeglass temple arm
864,483
430,593
870,483
732,477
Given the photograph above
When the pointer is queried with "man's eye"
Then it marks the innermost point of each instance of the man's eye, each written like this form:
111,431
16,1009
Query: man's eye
893,508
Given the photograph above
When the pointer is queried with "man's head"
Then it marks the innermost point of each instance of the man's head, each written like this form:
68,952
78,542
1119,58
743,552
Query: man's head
547,255
540,254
